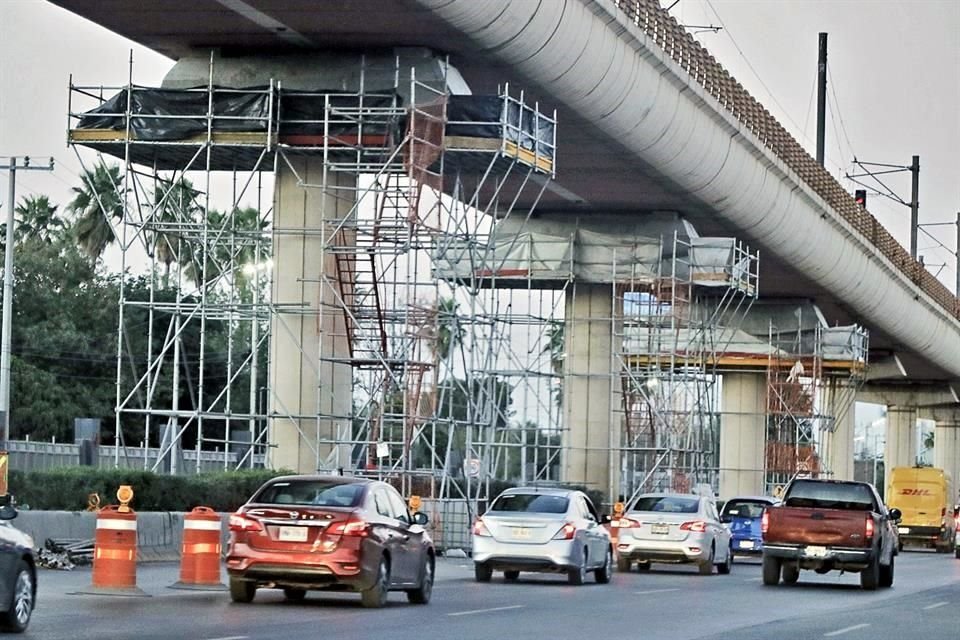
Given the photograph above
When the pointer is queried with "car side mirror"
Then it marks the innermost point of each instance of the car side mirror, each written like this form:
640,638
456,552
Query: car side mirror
605,518
419,517
8,512
956,511
895,514
726,519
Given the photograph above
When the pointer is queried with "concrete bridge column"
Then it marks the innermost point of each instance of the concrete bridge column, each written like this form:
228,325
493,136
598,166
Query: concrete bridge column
591,438
838,444
311,396
946,449
946,441
901,446
743,420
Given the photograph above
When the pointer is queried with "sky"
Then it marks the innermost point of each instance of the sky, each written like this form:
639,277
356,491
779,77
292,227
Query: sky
894,90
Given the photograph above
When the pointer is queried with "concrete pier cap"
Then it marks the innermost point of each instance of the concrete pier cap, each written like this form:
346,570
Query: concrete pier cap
383,70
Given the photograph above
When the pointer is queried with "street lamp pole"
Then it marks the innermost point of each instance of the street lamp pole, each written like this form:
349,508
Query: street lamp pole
13,165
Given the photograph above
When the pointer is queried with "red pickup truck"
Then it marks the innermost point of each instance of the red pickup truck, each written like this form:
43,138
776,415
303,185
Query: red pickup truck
826,525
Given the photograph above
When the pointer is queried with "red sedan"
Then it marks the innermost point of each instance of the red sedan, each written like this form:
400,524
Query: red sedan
300,533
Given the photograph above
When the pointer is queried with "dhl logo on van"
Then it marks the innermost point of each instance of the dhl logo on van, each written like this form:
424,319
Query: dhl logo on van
915,492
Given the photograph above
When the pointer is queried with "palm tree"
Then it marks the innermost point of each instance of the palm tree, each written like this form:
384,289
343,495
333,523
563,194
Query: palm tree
449,329
555,349
247,226
175,206
97,204
38,220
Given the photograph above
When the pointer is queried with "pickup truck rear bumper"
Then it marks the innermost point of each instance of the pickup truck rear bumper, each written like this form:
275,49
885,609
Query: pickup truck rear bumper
814,554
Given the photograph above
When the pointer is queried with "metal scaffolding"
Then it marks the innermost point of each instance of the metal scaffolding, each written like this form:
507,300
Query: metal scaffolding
679,319
451,374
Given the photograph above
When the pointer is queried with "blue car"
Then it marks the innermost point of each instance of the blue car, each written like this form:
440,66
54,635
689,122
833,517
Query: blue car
742,514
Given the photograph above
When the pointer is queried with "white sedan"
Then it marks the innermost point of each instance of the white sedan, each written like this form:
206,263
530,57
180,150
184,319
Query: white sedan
676,529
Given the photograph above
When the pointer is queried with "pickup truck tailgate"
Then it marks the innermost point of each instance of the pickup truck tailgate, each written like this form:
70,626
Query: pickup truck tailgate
828,527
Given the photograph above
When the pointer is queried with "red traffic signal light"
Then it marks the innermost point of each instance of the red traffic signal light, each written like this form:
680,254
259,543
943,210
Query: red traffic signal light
860,195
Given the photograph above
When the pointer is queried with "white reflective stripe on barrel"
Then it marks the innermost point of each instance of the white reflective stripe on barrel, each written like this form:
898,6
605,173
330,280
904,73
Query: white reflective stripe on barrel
206,525
121,525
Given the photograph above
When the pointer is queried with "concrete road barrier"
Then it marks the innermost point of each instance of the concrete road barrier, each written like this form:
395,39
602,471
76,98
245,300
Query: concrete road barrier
159,533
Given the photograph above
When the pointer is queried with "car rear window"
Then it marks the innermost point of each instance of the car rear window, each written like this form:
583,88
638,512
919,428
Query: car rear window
745,508
829,495
669,504
317,493
531,503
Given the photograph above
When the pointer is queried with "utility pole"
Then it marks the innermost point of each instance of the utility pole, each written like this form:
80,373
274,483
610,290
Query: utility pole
821,98
13,165
914,205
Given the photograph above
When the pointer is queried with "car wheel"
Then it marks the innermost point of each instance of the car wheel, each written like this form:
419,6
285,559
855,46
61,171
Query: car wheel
623,564
18,614
791,573
870,577
376,596
511,576
771,570
578,575
899,546
242,590
482,572
725,567
886,574
295,595
643,567
604,573
421,595
706,568
956,553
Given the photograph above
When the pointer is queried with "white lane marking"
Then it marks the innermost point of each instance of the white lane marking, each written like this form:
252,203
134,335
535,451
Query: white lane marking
846,630
936,606
230,638
752,580
491,610
644,593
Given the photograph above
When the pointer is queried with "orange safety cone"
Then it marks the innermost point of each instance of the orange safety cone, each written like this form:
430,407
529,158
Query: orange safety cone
200,557
115,552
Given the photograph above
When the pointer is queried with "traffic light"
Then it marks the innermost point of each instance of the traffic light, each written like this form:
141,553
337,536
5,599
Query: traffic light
860,195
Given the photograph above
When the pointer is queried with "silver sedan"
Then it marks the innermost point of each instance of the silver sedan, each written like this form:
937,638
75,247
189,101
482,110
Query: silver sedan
673,528
542,530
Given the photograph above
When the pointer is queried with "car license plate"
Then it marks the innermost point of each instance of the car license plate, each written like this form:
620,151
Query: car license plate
815,552
903,529
746,544
521,532
661,529
292,534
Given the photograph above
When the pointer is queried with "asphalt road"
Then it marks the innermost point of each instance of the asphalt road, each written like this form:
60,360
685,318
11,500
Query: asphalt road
669,602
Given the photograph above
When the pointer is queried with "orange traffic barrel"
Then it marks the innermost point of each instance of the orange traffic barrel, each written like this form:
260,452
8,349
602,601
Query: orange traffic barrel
200,553
115,550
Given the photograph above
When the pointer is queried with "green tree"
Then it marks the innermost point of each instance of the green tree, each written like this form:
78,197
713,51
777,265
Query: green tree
38,220
97,203
555,348
175,208
449,327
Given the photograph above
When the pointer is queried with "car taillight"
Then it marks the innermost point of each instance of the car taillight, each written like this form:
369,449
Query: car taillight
868,528
765,522
351,527
627,523
566,532
480,529
697,525
238,522
943,512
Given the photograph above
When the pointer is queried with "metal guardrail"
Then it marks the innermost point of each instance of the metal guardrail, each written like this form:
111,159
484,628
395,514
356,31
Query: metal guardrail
37,456
693,58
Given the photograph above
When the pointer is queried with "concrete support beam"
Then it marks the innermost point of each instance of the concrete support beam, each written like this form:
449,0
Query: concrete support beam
743,421
901,446
946,441
837,445
311,396
591,438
